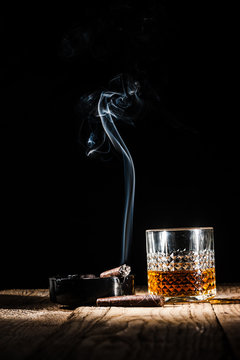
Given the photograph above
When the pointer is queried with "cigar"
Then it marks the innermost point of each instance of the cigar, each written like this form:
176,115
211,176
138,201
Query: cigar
132,301
120,271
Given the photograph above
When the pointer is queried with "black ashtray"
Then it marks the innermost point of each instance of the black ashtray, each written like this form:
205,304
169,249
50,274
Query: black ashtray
77,290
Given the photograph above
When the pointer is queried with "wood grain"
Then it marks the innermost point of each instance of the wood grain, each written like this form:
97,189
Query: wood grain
228,291
174,332
228,316
27,318
31,327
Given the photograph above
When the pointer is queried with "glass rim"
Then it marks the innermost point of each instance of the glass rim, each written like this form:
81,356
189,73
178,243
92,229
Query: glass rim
181,229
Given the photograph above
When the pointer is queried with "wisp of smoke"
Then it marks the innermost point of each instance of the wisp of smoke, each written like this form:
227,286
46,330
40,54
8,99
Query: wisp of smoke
103,110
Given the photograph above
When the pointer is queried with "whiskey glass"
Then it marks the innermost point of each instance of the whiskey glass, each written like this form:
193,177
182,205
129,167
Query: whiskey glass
181,263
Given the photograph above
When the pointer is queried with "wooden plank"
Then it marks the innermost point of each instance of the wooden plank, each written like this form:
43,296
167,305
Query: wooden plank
228,291
26,298
229,318
33,327
188,331
27,318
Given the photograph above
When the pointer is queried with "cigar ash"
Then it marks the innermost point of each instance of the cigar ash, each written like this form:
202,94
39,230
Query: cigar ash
120,271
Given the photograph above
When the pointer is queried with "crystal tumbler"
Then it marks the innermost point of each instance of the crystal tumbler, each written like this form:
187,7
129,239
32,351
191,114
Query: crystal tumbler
181,263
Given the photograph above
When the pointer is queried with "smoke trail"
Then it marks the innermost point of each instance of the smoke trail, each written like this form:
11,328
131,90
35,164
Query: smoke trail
122,104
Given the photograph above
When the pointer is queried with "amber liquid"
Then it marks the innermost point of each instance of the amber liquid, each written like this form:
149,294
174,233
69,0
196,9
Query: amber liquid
182,283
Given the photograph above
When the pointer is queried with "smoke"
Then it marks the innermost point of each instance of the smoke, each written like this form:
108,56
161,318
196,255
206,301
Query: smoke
101,111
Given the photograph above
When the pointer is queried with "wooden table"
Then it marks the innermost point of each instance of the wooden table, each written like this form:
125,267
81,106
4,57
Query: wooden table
31,327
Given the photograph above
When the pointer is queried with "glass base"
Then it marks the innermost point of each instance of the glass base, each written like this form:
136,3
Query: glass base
192,298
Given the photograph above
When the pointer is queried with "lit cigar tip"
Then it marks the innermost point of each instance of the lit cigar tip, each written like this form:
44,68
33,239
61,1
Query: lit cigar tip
121,271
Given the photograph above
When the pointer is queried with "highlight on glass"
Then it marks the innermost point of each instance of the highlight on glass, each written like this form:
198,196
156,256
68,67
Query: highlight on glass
181,263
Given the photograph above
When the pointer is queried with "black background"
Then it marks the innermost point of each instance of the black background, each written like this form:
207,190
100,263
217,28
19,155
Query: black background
61,211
